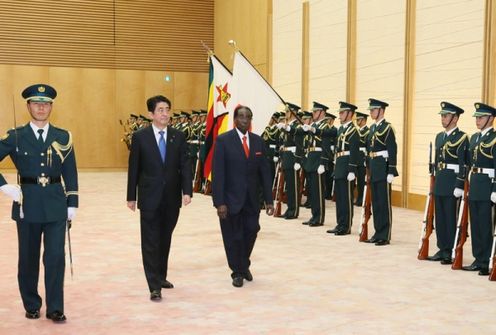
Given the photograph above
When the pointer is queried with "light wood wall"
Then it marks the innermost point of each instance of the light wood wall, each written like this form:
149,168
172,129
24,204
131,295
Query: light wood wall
91,102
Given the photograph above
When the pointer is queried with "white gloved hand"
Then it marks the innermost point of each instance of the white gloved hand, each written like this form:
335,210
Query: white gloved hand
280,125
321,169
21,212
306,127
288,128
296,166
71,213
390,178
275,159
313,129
493,197
351,176
457,192
12,191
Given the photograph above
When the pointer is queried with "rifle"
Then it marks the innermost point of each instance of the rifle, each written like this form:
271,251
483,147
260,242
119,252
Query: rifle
492,260
366,209
69,225
197,177
428,222
461,231
302,188
279,193
275,182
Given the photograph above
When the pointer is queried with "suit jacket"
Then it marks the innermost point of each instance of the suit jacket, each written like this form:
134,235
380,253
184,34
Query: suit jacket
53,158
153,179
236,177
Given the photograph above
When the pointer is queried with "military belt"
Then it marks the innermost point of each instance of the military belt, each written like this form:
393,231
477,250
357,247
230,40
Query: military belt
453,167
364,150
489,172
272,146
342,153
383,153
314,149
43,180
194,142
292,149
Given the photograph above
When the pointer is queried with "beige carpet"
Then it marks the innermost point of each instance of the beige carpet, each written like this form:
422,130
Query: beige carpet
306,281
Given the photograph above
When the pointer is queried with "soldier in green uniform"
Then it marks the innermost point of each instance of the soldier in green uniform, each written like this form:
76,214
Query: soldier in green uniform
271,136
194,143
482,192
48,196
346,160
315,164
382,149
329,175
289,159
203,127
307,143
363,131
450,171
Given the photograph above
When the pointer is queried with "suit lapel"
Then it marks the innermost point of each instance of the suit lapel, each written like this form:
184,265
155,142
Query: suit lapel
171,138
150,137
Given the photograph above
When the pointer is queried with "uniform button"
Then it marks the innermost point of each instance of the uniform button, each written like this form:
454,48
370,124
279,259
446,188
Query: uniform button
42,164
43,154
25,153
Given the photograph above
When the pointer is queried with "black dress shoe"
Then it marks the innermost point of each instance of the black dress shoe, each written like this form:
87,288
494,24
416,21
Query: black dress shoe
382,242
166,284
315,224
248,276
307,223
484,271
446,261
290,217
56,316
155,295
333,230
471,267
341,232
371,240
237,281
436,257
34,314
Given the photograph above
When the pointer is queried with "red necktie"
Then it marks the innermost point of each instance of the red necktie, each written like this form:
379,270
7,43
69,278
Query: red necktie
245,147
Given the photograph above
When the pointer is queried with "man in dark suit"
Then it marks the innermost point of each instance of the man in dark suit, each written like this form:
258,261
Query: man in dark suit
240,168
160,170
44,157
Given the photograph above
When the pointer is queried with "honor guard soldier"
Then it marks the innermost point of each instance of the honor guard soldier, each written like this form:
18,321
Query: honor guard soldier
363,131
270,136
317,160
345,168
201,156
450,165
47,198
482,191
329,175
194,143
382,149
289,162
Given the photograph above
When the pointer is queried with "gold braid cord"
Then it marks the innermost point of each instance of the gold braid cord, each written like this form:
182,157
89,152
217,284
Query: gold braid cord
63,150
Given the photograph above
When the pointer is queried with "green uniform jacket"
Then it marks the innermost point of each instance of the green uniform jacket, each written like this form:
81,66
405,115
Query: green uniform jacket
363,132
482,154
348,140
54,158
288,157
382,138
271,138
450,150
320,139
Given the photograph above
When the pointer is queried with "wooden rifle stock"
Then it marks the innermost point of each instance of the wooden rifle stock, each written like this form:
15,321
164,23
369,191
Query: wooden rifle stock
302,188
197,178
492,260
276,178
366,210
427,223
461,231
279,192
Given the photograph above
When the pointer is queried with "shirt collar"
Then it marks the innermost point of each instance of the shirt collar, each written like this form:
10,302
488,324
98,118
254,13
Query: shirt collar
240,134
157,129
448,133
484,132
379,122
36,128
345,125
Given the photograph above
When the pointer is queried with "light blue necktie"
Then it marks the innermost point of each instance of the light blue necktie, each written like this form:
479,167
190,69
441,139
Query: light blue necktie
161,145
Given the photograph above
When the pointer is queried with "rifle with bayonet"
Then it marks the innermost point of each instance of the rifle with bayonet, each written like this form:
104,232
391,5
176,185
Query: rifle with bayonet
366,209
428,221
461,230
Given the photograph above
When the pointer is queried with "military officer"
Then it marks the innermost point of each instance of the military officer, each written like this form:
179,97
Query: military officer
363,131
382,149
270,136
44,158
345,168
482,191
450,165
329,175
290,163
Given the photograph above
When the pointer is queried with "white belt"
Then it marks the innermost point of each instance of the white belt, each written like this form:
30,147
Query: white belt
383,153
292,149
342,153
364,150
194,142
454,167
489,172
314,149
272,146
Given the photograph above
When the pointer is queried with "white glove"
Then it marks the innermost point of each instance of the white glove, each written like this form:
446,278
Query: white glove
457,192
12,191
306,127
71,213
351,176
493,197
296,166
312,129
389,178
275,159
321,169
21,213
280,125
288,128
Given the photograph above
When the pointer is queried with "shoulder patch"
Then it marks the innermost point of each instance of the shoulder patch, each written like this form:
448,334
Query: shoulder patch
4,137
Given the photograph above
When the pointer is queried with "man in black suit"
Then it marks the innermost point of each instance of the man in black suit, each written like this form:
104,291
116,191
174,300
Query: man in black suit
240,168
160,170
